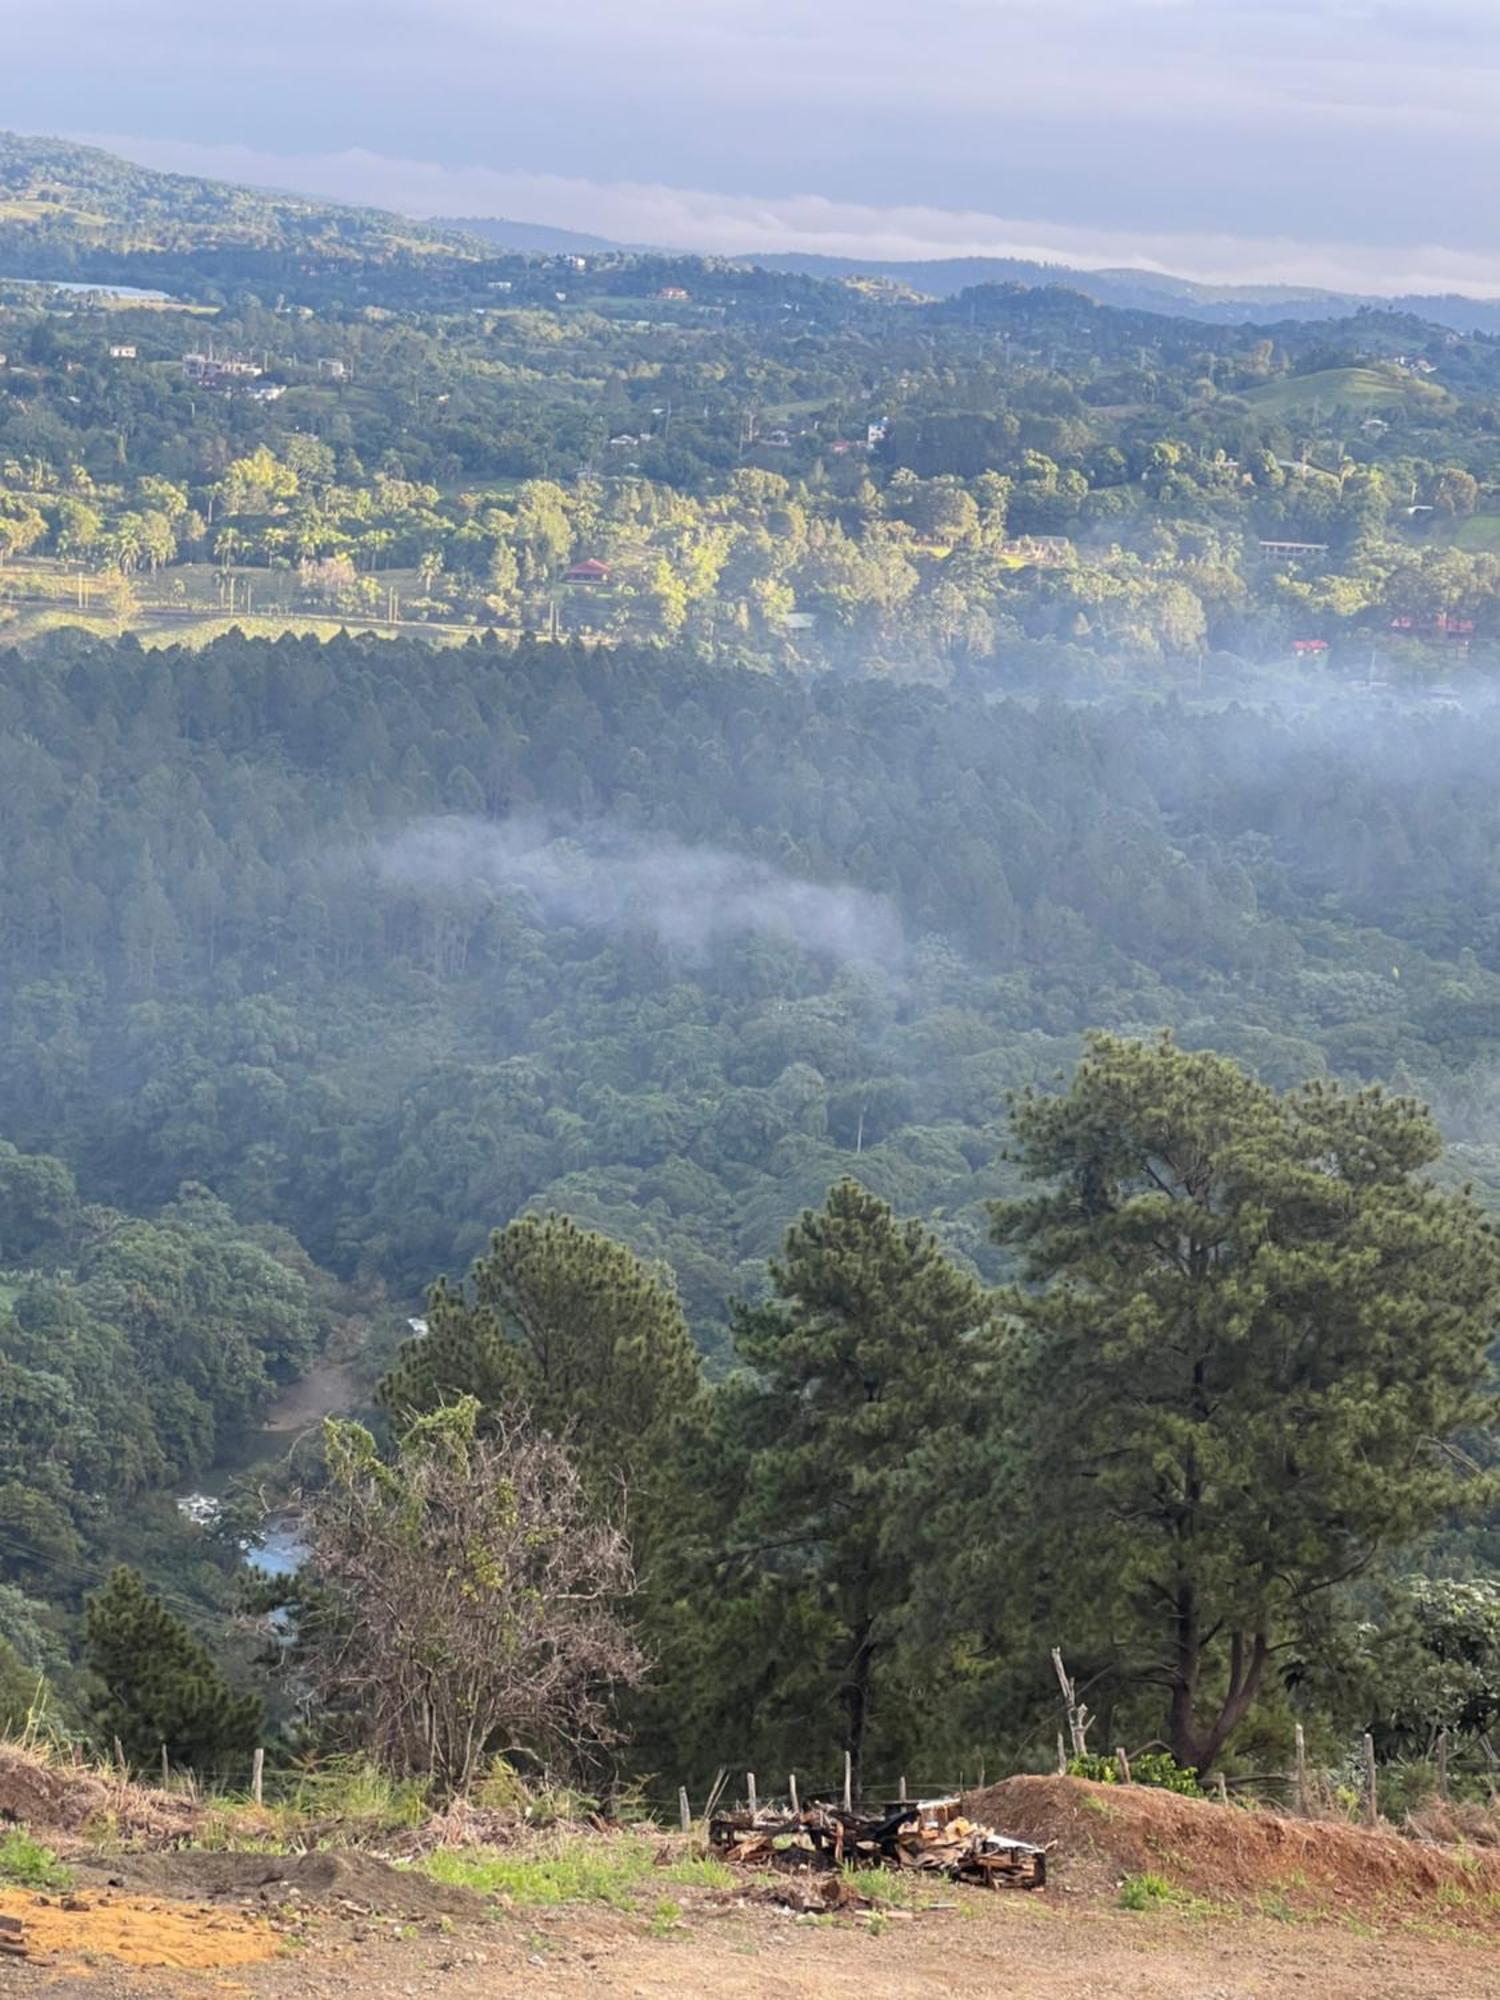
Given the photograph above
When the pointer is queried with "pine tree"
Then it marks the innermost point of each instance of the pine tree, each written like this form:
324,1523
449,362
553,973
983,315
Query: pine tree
866,1370
570,1324
1256,1326
161,1688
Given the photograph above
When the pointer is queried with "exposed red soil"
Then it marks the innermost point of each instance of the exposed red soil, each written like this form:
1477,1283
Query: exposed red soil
1096,1835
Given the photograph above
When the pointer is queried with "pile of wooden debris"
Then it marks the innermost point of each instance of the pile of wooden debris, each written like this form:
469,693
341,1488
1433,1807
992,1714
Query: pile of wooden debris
928,1834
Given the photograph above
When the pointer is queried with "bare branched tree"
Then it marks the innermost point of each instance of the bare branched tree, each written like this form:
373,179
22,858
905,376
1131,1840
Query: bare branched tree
469,1597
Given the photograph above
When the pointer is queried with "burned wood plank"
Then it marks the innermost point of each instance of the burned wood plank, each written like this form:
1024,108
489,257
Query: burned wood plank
930,1835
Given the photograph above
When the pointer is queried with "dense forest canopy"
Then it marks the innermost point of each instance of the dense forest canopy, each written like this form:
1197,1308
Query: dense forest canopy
644,742
384,943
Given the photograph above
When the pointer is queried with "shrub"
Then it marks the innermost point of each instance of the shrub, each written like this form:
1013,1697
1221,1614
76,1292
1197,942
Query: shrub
1155,1768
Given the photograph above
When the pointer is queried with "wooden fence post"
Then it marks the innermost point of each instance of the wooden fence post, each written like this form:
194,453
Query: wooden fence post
791,1785
750,1793
166,1769
1301,1772
684,1810
1442,1765
1122,1764
120,1763
1062,1756
258,1777
1372,1800
848,1781
903,1788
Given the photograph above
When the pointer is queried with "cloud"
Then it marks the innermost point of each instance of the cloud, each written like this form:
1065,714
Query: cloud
607,878
1157,131
749,225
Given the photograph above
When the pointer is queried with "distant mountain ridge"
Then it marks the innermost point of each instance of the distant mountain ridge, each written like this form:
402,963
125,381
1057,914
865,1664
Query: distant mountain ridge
62,203
536,238
942,277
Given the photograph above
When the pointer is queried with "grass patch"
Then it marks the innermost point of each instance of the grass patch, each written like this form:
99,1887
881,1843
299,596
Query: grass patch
1479,535
699,1871
350,1792
1363,389
666,1918
30,1865
589,1870
894,1891
1146,1892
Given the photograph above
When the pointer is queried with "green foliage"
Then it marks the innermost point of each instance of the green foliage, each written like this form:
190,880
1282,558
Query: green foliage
1155,1767
1253,1315
574,1327
1437,1663
1147,1892
161,1688
618,1872
233,966
863,1377
30,1865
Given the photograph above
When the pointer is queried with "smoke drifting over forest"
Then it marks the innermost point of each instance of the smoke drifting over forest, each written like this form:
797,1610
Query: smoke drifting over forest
608,878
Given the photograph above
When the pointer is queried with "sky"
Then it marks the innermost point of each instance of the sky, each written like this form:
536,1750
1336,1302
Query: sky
1346,142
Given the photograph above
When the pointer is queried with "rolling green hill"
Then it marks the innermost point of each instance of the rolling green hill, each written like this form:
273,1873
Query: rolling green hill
53,192
1367,389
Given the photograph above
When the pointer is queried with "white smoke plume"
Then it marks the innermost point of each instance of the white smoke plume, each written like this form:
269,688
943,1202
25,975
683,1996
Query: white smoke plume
613,879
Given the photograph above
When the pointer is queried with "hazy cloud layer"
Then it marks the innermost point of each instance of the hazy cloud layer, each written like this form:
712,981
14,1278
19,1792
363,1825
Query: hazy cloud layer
1292,132
601,877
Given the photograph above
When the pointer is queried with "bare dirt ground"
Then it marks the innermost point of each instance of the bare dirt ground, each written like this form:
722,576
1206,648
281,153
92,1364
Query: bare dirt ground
1008,1948
1253,1906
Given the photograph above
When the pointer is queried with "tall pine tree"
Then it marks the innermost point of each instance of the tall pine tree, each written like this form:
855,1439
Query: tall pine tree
865,1371
1254,1324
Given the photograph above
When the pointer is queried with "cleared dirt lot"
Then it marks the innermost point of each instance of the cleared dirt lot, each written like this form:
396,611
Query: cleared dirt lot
1009,1950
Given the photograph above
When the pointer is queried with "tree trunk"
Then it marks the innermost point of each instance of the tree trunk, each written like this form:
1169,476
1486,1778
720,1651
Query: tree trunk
1198,1741
857,1698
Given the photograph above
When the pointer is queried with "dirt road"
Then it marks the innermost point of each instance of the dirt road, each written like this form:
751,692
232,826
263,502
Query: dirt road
1006,1949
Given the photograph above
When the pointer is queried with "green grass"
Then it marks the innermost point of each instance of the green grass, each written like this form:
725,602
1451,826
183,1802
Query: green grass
1479,535
1146,1892
30,1865
892,1889
1367,389
616,1872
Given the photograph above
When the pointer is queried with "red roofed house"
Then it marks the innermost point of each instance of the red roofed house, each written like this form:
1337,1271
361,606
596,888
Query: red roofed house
589,571
1306,646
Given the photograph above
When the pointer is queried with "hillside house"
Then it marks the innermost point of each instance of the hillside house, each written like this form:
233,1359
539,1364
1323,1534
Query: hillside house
1040,551
122,352
220,371
590,570
1290,551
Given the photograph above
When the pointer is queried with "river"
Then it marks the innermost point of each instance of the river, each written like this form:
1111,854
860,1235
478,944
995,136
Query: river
328,1390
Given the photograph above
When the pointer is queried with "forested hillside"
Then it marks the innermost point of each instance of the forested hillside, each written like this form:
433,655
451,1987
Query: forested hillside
653,776
385,944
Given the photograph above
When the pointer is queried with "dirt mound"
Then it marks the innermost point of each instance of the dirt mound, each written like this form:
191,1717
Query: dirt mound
1098,1834
345,1880
131,1931
51,1796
